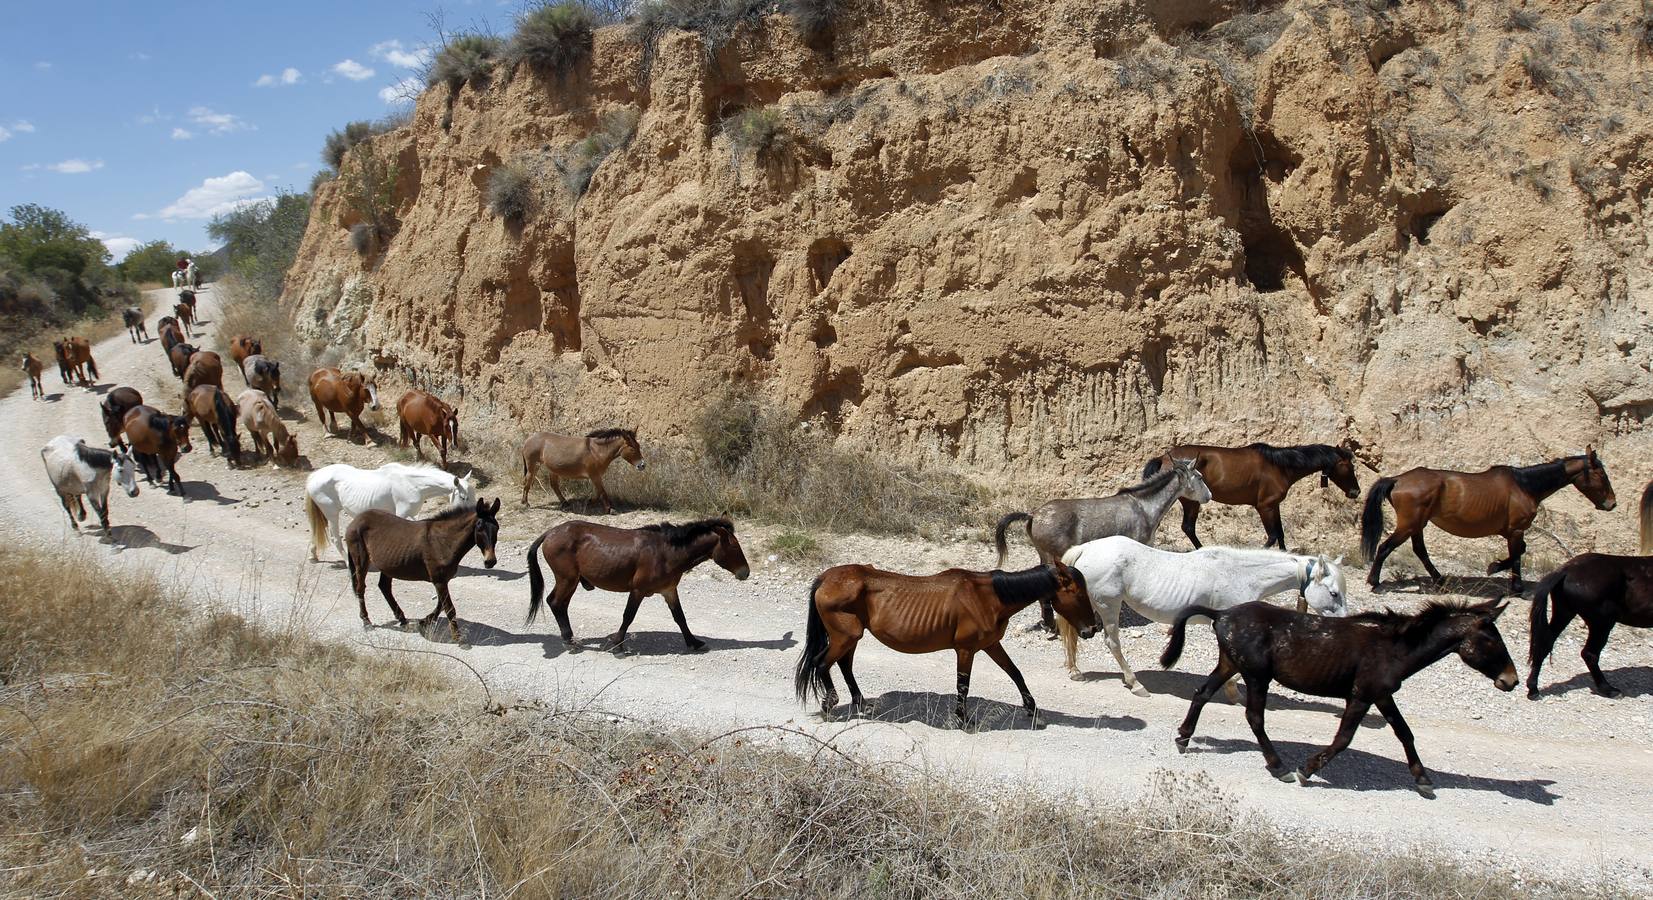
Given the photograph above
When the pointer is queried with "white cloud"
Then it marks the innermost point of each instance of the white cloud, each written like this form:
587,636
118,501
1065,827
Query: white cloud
119,245
404,91
217,123
43,65
4,134
23,126
71,166
215,196
393,52
141,56
288,76
353,70
182,134
153,116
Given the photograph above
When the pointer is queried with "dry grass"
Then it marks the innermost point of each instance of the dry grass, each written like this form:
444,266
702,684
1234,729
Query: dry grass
157,750
18,335
243,311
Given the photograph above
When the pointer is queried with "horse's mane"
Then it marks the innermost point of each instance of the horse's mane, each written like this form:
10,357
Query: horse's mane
683,535
602,433
1314,457
1151,483
1543,477
456,511
95,457
1028,585
1415,626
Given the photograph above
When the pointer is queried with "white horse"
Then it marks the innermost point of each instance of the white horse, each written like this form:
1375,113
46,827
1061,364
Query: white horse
78,471
189,277
393,487
1159,584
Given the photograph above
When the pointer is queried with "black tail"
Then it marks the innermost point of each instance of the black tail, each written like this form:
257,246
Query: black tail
226,427
92,366
1153,466
536,578
1004,525
1371,517
807,680
1538,628
1179,631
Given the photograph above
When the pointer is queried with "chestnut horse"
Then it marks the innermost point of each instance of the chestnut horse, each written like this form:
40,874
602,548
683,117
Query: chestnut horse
186,317
132,318
32,367
636,561
74,360
1361,659
564,456
241,347
956,609
179,357
1603,591
1502,500
114,407
419,550
423,413
1259,475
334,392
157,441
205,367
208,404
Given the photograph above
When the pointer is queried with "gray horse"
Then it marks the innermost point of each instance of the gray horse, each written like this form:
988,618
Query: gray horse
1134,512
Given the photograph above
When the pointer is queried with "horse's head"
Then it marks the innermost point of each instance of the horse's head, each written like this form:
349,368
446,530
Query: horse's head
178,428
1190,483
464,489
1482,647
126,473
286,453
1593,483
1342,473
632,452
1073,599
371,384
486,531
1323,586
728,554
452,423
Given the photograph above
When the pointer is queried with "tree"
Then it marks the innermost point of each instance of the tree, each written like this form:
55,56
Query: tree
152,261
262,239
38,239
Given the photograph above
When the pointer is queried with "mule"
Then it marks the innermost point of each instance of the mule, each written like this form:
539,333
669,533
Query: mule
205,367
634,561
185,312
1160,584
424,414
424,550
333,391
269,434
1259,475
79,472
157,440
264,374
960,610
1499,501
208,404
179,357
1361,659
243,346
74,361
113,407
33,368
1602,590
1135,512
397,488
132,318
565,456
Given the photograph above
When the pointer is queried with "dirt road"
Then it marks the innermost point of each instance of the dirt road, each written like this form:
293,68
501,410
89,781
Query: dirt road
1563,785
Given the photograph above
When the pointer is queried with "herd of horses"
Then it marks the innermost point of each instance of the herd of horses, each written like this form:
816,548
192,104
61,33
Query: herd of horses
1095,555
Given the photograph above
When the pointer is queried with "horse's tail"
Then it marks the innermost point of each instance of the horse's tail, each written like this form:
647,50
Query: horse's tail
1004,525
1647,520
1371,516
1538,624
1179,631
536,578
92,366
226,421
1153,467
808,678
318,526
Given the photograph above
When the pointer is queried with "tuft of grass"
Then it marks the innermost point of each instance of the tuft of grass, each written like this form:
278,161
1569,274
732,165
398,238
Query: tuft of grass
512,190
579,162
759,133
242,309
465,59
813,19
341,142
796,546
1522,19
552,38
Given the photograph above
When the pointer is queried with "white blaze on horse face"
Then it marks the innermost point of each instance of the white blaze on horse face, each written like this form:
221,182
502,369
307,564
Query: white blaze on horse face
372,396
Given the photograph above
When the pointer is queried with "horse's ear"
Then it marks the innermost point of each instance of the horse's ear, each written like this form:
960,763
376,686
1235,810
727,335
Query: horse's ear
1498,610
494,510
1338,561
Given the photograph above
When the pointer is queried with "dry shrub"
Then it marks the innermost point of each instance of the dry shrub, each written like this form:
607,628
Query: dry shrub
552,38
512,191
760,133
465,59
244,311
579,162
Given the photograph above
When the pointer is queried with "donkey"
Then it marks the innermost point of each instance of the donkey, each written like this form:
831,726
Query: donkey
419,550
564,456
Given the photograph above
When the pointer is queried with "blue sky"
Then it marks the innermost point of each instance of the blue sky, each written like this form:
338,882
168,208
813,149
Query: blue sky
141,120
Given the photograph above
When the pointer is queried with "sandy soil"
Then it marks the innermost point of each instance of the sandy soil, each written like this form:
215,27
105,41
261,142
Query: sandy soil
1560,786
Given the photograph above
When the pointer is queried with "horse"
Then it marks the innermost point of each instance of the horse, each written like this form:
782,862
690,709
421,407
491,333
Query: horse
393,487
132,318
636,561
211,406
1134,512
179,357
956,609
78,471
157,441
170,334
243,346
263,373
113,407
187,296
1160,584
1647,520
333,392
425,550
1259,475
564,456
1602,590
423,413
205,367
270,438
1501,500
178,278
33,367
1361,659
74,360
186,317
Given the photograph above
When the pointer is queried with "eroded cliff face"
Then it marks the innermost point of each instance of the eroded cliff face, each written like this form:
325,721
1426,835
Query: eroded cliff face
1049,238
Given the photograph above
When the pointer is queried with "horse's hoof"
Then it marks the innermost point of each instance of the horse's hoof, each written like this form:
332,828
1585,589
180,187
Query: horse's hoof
1139,690
1036,722
1608,691
1426,790
1292,777
367,624
697,647
1532,693
1076,675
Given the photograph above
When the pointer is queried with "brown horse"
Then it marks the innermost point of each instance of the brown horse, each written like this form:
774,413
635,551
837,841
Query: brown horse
1603,591
334,392
1502,500
1259,475
956,609
170,334
132,318
157,441
243,346
179,357
186,317
114,407
564,456
32,367
205,367
419,550
636,561
423,413
1647,520
208,404
264,425
1361,659
74,360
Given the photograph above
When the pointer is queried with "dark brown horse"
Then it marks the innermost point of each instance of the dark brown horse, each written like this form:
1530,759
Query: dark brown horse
333,391
157,441
132,318
1361,659
74,361
565,456
205,367
634,561
954,610
243,346
33,367
1259,475
170,334
208,404
1647,520
1500,501
114,407
186,317
179,357
419,550
1603,591
424,413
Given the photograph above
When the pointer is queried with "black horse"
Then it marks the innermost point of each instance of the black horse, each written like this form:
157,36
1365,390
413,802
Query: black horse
1603,591
1362,659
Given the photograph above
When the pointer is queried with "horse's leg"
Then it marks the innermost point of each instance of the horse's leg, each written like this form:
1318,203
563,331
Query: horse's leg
1518,547
560,596
528,470
1190,521
102,509
1560,617
1110,628
1219,676
80,507
172,473
384,588
997,654
1352,714
846,664
670,596
1422,553
1256,703
1391,712
618,638
556,488
1270,514
69,507
966,659
1597,639
1384,549
602,494
444,598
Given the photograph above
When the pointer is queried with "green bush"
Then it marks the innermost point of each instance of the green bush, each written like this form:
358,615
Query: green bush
511,191
465,59
369,188
151,261
262,240
580,161
552,38
795,546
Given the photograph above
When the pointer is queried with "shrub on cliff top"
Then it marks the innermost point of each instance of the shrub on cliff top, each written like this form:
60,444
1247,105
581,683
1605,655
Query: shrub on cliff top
814,18
340,142
465,59
552,38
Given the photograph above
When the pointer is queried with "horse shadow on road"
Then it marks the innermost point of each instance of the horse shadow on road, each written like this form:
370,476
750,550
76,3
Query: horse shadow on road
203,490
495,574
137,537
1485,587
638,643
1634,681
1183,685
1361,770
936,710
101,389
